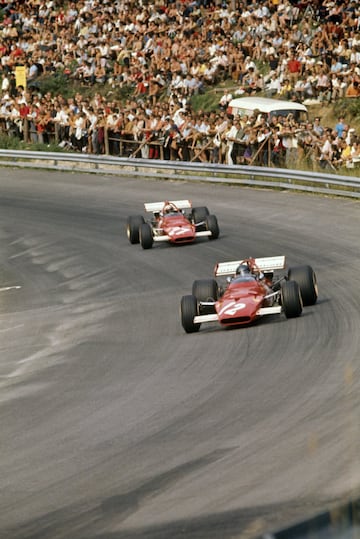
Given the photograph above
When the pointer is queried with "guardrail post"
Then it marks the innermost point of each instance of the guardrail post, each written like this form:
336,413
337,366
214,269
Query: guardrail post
106,141
26,130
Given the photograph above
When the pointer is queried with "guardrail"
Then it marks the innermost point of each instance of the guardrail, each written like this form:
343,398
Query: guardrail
275,178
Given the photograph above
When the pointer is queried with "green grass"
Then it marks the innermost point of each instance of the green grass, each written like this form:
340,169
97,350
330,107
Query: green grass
207,102
13,143
348,108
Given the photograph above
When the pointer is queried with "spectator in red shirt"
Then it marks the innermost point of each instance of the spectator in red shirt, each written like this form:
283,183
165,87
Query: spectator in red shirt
294,68
24,109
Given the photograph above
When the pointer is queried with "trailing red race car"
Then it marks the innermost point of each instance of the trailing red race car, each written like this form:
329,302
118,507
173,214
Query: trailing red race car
175,221
251,292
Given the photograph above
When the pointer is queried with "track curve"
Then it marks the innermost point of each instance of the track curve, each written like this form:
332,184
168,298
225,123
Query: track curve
115,423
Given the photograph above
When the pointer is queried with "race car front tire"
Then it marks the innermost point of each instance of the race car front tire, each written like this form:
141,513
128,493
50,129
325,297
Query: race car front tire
146,236
212,225
205,290
199,215
188,311
306,279
291,300
133,225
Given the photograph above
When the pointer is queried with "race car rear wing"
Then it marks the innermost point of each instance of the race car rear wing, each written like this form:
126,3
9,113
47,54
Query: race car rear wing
266,264
158,206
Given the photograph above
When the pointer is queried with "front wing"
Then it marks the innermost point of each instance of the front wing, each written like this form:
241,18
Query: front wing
263,311
167,238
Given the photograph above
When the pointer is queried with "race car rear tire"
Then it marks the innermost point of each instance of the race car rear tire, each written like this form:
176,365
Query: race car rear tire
291,300
199,215
133,225
212,225
146,236
188,310
205,290
306,279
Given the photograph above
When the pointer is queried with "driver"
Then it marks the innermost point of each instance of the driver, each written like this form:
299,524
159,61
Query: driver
169,208
249,268
243,270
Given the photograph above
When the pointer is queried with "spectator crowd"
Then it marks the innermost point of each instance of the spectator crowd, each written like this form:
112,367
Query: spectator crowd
160,54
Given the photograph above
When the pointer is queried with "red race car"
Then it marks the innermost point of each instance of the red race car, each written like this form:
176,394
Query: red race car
174,221
251,291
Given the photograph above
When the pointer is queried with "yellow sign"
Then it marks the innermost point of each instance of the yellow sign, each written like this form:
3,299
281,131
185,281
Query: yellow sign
20,76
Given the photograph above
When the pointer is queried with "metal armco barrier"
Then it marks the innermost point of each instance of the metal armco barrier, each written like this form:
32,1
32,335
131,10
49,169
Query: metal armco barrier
276,178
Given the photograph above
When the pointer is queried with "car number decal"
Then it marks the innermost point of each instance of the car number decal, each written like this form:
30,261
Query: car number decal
233,309
180,231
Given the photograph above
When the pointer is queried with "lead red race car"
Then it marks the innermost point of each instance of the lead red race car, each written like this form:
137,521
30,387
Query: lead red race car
252,290
175,221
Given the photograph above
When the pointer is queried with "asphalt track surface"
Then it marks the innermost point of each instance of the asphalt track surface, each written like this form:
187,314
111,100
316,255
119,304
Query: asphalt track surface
117,424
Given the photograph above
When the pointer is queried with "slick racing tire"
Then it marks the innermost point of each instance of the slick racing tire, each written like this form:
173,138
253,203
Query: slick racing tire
212,225
306,279
188,310
205,290
199,215
133,225
291,300
146,236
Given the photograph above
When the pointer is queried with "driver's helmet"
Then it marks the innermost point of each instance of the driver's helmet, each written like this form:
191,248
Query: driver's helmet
169,208
243,270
